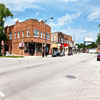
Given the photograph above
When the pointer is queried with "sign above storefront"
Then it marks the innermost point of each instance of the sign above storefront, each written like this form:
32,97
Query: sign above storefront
65,44
21,44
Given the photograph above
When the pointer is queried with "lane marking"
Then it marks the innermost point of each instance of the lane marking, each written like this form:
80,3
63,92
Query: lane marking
2,94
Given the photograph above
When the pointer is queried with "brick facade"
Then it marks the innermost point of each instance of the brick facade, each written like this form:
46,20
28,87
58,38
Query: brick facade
30,32
61,39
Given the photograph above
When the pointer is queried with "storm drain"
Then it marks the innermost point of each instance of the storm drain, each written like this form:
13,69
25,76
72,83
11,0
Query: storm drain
70,76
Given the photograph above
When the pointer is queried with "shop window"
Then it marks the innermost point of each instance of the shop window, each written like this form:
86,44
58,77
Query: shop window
26,47
38,47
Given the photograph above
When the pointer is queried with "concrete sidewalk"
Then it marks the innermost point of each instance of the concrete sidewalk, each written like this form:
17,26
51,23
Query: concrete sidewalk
38,56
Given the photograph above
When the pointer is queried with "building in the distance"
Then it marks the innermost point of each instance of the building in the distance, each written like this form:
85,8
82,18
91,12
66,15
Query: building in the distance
28,38
61,42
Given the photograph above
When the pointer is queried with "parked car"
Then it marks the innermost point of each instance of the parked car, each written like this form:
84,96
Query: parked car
98,57
70,53
55,54
62,54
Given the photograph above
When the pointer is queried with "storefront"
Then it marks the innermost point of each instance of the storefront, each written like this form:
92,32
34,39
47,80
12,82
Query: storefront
54,47
33,48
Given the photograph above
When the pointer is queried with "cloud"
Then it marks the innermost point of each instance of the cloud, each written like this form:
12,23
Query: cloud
65,19
94,15
21,5
68,0
12,21
37,13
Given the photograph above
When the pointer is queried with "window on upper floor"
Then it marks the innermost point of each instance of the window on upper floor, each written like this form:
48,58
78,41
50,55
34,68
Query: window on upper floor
62,40
47,36
18,34
10,36
36,33
27,32
15,35
41,35
22,33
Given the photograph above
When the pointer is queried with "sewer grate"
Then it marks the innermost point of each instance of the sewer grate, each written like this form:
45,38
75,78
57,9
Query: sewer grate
70,76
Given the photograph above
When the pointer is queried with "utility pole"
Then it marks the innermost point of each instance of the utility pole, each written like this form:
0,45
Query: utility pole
45,44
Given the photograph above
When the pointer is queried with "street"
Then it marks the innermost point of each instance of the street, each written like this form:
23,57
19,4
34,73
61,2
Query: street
74,77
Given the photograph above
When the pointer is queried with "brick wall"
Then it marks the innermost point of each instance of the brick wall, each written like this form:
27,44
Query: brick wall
31,25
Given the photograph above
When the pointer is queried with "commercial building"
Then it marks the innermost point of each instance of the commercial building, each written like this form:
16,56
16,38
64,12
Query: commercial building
61,42
30,37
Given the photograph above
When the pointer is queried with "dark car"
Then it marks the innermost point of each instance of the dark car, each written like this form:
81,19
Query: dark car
98,57
55,54
70,53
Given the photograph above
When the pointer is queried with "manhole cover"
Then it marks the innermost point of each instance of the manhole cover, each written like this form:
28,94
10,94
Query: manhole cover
70,76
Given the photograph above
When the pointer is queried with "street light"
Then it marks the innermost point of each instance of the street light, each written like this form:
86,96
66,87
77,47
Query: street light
44,53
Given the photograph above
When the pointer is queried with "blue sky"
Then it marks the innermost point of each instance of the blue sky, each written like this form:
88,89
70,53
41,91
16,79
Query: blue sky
73,17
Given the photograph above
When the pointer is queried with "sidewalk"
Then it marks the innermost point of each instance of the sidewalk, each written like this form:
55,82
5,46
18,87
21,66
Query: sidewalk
49,56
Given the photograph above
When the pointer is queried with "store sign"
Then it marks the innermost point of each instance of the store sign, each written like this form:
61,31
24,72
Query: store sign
21,44
65,44
61,45
88,39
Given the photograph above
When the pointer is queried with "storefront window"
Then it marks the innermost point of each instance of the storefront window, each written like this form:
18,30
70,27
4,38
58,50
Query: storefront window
26,47
38,47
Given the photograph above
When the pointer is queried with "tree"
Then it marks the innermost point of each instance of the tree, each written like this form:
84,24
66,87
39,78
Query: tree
81,46
98,36
91,46
4,14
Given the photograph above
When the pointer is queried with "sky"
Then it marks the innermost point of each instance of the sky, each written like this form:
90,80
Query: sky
78,18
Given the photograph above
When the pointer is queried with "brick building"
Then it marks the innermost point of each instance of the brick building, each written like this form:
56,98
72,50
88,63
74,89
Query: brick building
61,42
28,38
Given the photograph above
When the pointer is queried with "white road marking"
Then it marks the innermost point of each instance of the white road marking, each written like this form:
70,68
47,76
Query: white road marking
2,94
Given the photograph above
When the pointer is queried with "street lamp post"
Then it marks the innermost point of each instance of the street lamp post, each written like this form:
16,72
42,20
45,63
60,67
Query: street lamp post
44,51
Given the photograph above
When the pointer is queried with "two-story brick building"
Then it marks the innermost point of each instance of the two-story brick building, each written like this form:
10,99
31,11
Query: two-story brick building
28,38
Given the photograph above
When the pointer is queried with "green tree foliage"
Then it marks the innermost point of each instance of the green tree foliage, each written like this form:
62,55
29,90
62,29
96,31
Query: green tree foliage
98,36
4,14
92,45
89,46
81,46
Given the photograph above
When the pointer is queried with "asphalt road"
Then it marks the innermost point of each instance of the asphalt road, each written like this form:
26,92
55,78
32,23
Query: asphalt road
61,78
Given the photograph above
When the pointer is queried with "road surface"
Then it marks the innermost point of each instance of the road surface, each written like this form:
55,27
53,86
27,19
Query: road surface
74,77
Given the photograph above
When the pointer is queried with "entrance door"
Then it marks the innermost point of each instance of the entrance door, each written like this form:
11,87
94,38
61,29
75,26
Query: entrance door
32,48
